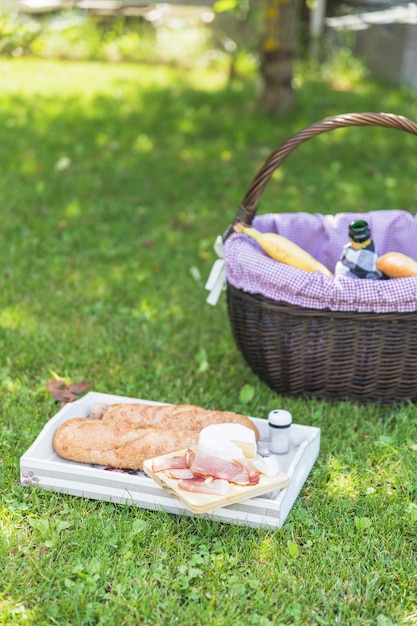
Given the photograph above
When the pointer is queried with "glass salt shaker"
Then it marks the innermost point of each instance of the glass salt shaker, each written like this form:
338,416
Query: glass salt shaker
279,422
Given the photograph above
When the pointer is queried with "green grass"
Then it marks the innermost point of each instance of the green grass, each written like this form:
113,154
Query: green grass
115,181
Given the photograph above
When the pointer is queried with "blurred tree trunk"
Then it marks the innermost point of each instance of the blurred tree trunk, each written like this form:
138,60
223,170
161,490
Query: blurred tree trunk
278,50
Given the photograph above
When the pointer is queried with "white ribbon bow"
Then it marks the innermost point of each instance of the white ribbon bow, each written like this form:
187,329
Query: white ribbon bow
216,282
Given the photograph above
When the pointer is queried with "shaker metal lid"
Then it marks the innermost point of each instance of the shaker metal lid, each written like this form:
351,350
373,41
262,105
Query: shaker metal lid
280,418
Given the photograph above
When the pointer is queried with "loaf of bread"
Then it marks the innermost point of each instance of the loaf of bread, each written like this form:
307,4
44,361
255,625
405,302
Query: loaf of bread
397,265
125,435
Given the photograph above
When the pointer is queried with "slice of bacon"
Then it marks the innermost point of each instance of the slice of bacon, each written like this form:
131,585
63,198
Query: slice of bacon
254,473
213,486
189,455
232,471
179,473
163,463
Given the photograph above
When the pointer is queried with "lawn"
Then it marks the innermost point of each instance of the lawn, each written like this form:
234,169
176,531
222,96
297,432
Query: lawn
115,181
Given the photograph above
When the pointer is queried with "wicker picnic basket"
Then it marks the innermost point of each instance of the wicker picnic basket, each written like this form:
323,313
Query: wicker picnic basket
362,357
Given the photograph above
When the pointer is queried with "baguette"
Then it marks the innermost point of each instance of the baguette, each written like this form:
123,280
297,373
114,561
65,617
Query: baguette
283,250
172,417
397,265
127,434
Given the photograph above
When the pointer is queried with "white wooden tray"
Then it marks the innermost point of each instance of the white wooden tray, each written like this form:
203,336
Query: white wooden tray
41,466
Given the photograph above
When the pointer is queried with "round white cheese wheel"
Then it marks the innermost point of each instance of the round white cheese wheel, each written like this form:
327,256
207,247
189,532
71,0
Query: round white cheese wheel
227,441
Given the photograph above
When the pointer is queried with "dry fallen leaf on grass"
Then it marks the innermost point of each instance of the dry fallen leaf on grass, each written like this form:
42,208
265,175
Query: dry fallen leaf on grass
66,392
78,388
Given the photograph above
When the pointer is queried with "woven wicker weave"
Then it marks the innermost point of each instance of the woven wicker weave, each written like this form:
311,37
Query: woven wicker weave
362,357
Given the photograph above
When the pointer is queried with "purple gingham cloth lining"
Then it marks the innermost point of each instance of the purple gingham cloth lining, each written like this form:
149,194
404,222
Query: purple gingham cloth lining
248,268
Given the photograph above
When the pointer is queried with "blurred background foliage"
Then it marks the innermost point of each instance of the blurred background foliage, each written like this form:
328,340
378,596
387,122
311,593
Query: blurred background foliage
224,34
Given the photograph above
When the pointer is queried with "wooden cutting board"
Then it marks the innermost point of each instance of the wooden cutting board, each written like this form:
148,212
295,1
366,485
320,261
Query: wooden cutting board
202,502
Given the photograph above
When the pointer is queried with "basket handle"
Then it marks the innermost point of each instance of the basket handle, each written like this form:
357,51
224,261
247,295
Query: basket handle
249,206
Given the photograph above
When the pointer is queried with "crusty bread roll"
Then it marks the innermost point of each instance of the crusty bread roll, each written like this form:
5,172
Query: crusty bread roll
397,265
128,434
